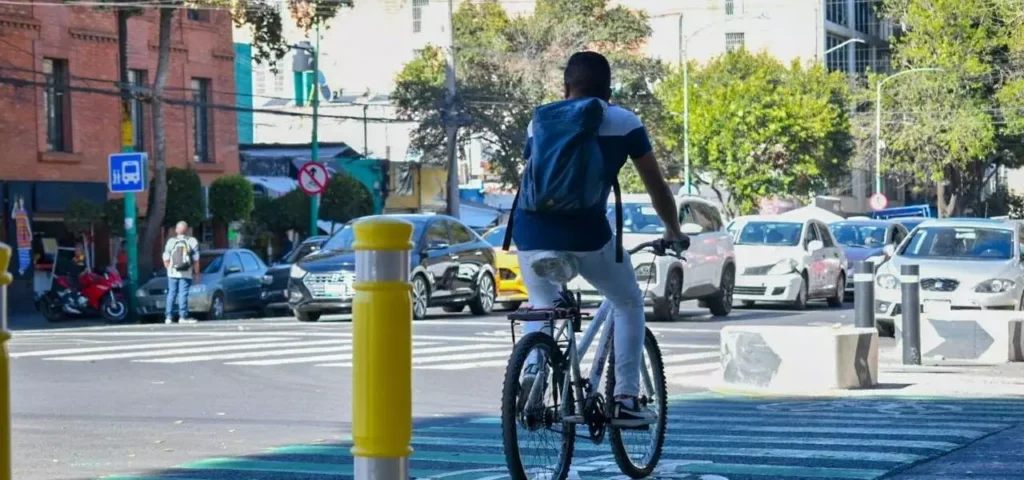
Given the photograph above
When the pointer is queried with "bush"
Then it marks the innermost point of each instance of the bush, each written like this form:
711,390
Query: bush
184,197
231,199
291,212
81,216
345,199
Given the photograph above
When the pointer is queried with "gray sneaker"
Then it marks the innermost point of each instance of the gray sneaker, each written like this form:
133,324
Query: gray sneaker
628,413
188,320
168,320
527,384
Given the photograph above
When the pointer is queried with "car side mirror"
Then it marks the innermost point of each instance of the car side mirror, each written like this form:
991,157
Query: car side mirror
889,250
815,245
691,229
232,270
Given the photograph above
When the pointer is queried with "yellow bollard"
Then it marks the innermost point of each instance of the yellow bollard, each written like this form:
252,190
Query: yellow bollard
6,468
382,349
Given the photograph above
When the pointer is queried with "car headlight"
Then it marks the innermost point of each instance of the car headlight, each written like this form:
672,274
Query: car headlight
297,271
200,288
645,271
141,293
888,282
877,259
995,285
783,267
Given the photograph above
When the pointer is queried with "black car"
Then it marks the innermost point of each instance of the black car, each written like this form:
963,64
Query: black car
275,281
452,267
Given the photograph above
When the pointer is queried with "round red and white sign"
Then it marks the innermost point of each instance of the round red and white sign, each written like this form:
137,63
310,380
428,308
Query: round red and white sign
878,202
313,178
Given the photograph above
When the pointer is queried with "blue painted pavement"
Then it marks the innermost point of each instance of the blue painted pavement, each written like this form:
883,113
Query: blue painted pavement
709,437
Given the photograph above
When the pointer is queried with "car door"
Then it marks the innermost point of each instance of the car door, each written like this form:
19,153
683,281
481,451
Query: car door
253,273
834,256
693,271
437,258
815,260
720,244
705,245
467,256
233,282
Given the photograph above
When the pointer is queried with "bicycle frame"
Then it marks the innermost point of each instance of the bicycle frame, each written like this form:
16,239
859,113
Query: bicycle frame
576,353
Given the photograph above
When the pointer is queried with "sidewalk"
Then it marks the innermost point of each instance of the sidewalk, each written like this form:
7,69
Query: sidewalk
996,457
36,321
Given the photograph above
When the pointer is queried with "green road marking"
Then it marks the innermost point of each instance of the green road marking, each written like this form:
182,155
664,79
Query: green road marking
779,471
244,465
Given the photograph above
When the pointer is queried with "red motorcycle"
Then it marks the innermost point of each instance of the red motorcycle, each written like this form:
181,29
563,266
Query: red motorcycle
93,292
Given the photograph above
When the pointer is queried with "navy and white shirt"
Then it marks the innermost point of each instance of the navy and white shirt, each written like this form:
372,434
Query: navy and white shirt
622,135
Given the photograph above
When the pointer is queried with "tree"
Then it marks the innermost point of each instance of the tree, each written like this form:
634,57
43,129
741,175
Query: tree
345,199
81,217
231,199
184,198
760,127
291,212
507,66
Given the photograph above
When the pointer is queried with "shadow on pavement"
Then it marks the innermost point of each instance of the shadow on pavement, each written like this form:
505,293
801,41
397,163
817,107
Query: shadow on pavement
727,436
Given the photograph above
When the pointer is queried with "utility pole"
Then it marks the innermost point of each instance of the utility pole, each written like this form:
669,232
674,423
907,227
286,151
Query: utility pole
314,200
128,145
451,123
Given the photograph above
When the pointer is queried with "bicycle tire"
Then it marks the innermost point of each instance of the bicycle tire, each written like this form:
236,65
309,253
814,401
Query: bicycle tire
625,463
510,407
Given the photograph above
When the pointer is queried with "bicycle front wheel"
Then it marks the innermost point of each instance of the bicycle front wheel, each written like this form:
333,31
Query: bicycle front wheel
538,445
637,450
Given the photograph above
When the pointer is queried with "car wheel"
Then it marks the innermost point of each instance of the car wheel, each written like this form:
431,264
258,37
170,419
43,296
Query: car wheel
216,307
483,303
721,304
836,300
307,316
801,295
666,309
511,305
420,297
453,308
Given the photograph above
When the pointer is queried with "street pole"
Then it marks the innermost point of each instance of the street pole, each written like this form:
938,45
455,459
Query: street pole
878,122
684,62
841,45
452,128
314,200
128,145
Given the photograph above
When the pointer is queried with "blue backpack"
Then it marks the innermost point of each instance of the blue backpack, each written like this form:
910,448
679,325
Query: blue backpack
566,173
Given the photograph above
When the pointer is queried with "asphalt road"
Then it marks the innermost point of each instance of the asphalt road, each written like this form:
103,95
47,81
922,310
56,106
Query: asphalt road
99,401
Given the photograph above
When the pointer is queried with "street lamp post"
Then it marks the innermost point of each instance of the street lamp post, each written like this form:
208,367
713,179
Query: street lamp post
878,122
313,51
684,62
841,45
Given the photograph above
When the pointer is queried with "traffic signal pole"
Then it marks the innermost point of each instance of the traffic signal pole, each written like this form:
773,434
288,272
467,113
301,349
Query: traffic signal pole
314,200
128,145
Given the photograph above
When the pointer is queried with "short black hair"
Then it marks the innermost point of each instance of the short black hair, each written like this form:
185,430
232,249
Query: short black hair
588,74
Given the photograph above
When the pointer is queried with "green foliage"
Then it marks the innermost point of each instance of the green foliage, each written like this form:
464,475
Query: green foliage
1002,202
80,216
506,66
345,199
113,214
288,212
231,198
265,22
760,128
184,197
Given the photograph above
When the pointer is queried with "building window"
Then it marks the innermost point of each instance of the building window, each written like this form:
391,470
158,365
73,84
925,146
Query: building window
835,11
866,16
862,60
734,41
197,15
417,14
137,79
883,60
57,105
259,82
201,125
730,7
836,60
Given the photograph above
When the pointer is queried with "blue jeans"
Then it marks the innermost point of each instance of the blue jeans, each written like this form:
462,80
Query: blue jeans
617,283
177,289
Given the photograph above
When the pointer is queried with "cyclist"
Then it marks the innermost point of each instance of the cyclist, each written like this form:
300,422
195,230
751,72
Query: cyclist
586,234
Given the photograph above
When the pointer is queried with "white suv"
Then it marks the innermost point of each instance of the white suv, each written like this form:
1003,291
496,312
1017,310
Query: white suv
708,274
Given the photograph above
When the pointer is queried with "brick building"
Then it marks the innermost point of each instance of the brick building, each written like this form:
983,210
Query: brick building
59,109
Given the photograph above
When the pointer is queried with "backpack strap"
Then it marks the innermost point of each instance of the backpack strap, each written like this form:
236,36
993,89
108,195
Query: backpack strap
508,227
618,219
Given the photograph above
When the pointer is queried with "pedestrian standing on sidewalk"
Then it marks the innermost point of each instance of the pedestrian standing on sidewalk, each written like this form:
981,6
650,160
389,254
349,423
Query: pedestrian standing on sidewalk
181,259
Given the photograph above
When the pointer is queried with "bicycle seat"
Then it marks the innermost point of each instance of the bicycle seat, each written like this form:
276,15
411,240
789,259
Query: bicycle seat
558,267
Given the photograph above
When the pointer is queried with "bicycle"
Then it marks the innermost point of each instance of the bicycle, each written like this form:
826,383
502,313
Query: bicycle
582,403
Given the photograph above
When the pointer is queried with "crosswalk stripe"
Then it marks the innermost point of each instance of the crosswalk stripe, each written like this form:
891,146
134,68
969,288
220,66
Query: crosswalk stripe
187,351
422,351
347,357
460,357
692,368
259,354
467,366
686,357
138,346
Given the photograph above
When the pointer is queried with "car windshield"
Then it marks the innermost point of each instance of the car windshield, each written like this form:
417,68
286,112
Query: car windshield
210,263
341,240
960,243
637,218
302,250
770,233
496,237
859,235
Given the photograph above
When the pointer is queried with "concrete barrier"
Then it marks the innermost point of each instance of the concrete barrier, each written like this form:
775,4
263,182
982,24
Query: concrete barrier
988,337
799,358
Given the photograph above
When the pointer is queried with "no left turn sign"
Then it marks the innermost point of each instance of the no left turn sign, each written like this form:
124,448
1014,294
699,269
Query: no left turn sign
313,178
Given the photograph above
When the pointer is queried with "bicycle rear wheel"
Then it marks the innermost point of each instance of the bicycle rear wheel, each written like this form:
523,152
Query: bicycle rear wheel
637,451
537,444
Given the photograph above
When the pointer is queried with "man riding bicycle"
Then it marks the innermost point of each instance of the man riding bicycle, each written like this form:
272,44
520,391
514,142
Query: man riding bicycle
574,151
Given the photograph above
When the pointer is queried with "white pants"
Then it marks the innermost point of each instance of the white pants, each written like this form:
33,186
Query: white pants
617,283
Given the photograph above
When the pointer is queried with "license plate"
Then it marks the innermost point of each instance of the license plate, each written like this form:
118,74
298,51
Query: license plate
336,289
159,304
936,306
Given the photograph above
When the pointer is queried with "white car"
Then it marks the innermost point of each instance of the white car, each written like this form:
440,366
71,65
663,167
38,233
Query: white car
708,274
781,259
964,264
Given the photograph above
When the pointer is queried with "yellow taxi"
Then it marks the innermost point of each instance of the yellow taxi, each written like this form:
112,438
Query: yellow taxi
511,291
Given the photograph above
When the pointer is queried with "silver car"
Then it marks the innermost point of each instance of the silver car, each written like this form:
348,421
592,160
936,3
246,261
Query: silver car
231,280
965,264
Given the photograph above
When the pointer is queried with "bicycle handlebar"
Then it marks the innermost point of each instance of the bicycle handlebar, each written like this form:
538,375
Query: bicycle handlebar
662,247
